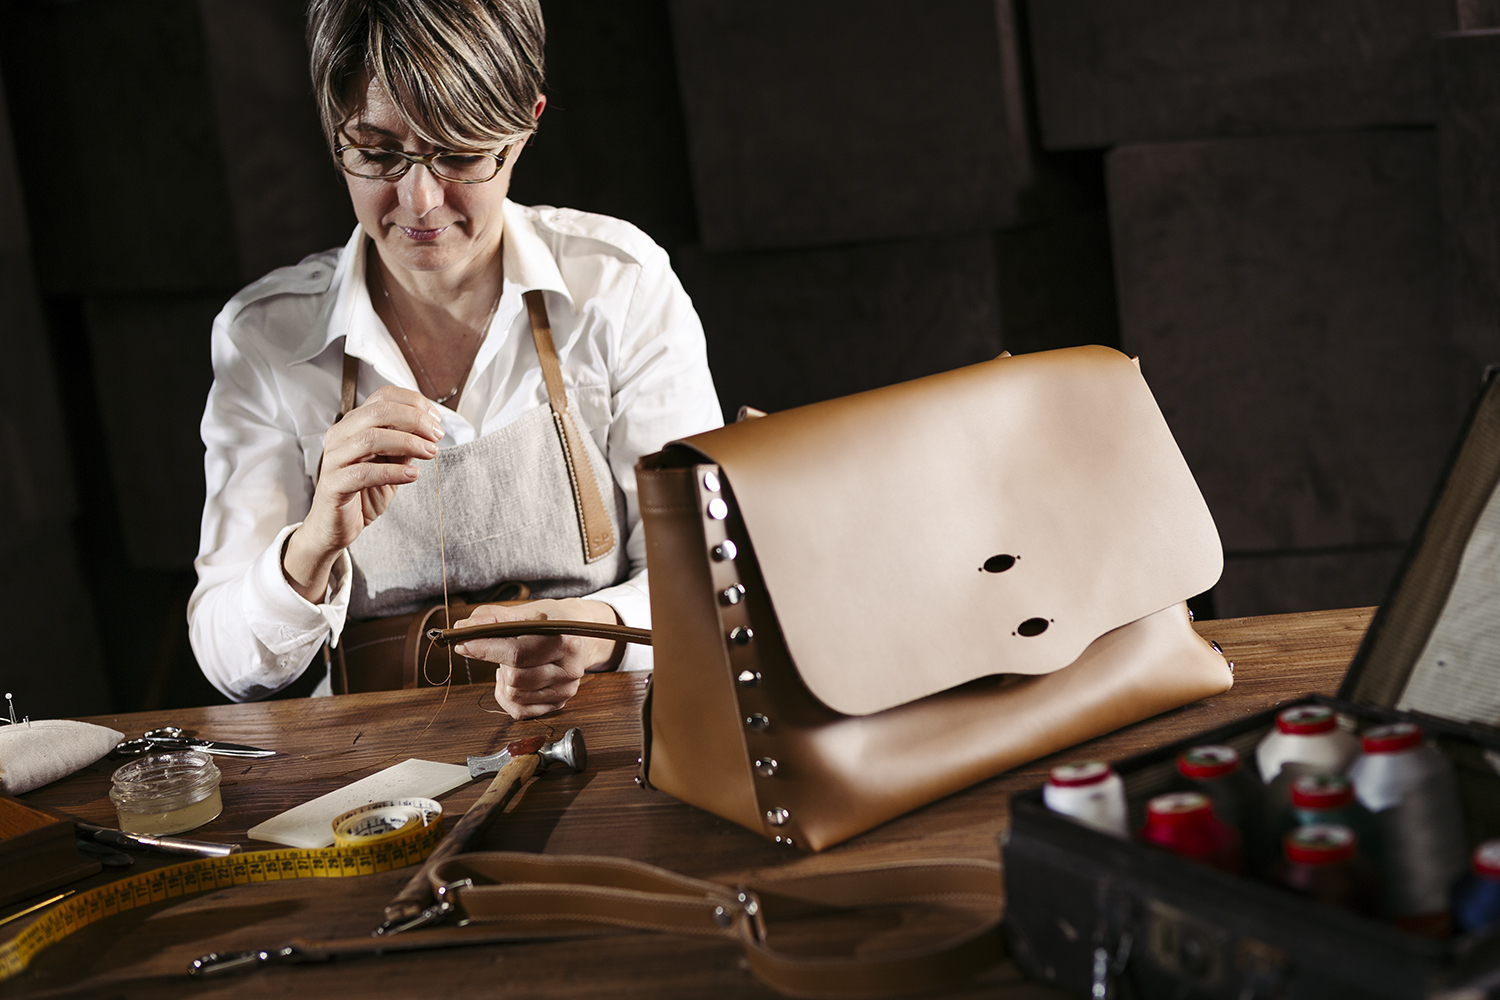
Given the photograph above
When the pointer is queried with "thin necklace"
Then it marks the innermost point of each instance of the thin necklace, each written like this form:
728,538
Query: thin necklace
484,332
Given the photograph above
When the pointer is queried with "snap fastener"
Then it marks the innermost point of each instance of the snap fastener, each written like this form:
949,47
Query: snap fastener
718,509
757,723
778,816
711,481
724,551
748,678
722,917
733,595
766,767
741,636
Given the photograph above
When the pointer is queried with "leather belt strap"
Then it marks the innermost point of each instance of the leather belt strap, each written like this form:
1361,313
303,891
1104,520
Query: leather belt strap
593,515
562,893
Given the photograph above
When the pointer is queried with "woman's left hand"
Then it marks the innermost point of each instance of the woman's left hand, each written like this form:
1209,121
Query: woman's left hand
537,674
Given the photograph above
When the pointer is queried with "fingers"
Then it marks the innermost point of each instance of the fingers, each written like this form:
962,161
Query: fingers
525,693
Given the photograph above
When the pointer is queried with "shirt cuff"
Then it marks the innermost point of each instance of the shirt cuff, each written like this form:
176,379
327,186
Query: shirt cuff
282,619
632,602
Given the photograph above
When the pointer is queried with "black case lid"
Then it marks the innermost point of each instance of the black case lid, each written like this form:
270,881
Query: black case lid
1383,665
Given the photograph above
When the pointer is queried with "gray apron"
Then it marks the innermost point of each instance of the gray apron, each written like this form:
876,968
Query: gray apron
521,504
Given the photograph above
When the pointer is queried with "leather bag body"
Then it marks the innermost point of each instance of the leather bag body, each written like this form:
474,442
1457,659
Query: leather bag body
863,605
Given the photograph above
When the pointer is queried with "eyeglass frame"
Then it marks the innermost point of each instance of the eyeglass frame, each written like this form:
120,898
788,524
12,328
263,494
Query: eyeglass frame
425,159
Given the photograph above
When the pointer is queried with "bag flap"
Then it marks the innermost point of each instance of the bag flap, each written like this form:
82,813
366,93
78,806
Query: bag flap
994,519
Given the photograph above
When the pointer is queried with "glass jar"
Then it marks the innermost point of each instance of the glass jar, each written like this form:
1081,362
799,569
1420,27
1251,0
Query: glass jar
167,792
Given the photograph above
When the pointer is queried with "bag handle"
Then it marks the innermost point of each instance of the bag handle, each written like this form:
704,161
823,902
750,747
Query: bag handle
561,892
534,626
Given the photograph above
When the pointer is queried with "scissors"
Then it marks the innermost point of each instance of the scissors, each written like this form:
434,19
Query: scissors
174,738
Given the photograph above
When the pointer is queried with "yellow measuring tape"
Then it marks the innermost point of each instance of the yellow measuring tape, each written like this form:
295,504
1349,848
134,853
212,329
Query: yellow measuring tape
378,837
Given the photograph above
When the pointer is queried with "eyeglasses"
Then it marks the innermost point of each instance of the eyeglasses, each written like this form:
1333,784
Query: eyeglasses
382,163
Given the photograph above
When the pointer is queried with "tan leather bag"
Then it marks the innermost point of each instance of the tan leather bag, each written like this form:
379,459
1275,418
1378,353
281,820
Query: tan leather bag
864,605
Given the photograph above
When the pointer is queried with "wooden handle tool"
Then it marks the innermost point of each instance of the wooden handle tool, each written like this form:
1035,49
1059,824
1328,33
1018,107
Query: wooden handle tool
514,766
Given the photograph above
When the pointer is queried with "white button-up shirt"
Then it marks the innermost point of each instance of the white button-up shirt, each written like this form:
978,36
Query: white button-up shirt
633,360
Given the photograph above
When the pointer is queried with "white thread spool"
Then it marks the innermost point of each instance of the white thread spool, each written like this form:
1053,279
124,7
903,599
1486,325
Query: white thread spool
1307,740
1090,792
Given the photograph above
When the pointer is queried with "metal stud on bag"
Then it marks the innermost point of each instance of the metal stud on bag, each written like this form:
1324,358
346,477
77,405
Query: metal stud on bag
766,767
741,636
711,481
757,723
718,509
733,595
748,678
778,816
725,551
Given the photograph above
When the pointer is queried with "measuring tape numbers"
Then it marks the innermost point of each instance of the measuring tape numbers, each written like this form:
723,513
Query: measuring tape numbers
379,837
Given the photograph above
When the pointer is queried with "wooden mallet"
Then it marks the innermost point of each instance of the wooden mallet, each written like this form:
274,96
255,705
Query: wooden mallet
513,766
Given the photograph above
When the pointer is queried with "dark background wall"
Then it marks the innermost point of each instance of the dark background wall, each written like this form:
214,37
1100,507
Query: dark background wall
1286,209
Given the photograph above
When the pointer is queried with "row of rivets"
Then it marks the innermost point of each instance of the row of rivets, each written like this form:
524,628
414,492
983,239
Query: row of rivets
740,635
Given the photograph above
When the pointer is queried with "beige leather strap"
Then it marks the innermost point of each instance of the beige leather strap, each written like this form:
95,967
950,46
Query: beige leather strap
593,515
562,893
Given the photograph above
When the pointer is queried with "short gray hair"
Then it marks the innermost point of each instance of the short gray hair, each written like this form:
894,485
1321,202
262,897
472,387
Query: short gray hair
463,73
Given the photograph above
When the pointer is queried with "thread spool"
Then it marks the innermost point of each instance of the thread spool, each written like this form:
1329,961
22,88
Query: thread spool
1092,793
1413,792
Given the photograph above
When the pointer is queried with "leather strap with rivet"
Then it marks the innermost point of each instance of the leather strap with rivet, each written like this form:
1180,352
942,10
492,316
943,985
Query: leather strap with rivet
561,893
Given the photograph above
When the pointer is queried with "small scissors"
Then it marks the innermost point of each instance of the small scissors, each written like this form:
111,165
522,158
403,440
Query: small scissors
174,738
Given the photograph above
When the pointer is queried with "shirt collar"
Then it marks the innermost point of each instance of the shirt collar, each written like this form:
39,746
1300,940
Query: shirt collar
528,262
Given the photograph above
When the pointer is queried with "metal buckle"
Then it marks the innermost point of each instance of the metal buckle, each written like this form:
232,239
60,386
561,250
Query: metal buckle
437,913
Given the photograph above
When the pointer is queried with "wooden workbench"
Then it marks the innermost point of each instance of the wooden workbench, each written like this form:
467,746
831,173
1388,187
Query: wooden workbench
328,742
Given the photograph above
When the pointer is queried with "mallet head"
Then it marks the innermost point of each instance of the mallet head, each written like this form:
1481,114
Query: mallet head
567,750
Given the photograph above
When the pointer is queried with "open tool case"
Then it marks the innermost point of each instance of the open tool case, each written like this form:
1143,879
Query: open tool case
1101,917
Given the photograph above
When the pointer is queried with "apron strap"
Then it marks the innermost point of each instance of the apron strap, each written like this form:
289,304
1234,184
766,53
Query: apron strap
588,501
351,383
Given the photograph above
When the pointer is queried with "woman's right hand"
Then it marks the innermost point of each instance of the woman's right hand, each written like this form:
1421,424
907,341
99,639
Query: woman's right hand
365,457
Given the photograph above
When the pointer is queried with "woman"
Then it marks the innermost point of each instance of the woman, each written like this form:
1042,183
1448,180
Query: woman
429,318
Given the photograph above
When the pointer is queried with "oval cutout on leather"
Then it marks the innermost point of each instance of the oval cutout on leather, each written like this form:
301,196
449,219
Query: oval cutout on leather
1000,563
1032,626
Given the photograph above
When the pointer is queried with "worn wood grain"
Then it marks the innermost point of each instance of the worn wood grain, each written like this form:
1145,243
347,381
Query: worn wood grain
326,743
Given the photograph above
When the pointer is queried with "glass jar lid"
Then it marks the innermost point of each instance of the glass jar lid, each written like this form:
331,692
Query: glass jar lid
163,781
